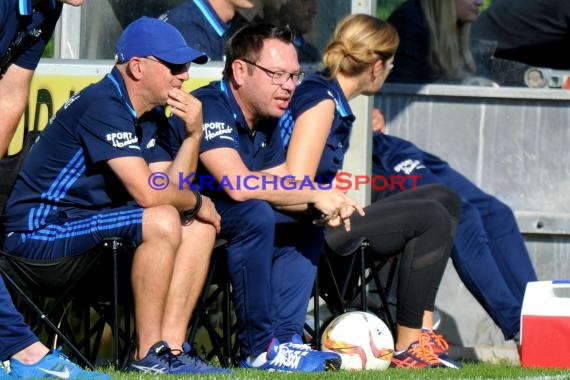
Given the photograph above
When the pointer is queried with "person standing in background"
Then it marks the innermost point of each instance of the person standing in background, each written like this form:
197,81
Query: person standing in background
299,16
26,27
207,24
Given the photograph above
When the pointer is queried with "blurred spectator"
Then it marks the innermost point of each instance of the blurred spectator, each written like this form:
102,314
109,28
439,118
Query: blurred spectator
434,41
299,16
534,32
207,24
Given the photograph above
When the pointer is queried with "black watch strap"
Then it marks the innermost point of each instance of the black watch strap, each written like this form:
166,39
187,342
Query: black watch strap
189,215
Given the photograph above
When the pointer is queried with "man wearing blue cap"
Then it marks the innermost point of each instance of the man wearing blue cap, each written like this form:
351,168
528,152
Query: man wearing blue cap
97,172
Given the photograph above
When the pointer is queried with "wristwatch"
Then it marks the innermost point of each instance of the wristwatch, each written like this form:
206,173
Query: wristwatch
188,216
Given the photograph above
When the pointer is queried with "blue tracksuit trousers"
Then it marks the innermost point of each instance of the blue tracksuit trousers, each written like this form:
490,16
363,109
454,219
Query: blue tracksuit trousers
15,334
272,261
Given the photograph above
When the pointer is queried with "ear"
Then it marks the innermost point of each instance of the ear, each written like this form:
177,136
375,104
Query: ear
239,70
377,67
135,68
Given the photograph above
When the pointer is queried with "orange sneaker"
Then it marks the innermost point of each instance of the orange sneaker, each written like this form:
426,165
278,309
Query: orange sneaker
440,347
418,355
436,341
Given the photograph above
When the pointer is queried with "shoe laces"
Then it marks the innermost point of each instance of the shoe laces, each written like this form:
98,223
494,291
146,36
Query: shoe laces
57,352
165,355
287,357
297,343
436,341
424,351
192,356
298,346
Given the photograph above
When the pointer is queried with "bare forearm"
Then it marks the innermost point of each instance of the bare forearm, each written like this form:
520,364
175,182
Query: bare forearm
14,92
295,196
8,123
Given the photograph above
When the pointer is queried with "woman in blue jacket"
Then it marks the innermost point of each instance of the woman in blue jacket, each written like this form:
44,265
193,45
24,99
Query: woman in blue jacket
417,224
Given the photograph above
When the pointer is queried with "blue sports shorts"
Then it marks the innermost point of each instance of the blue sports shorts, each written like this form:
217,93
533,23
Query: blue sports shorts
78,235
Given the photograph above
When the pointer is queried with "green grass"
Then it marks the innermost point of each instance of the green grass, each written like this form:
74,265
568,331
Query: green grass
469,371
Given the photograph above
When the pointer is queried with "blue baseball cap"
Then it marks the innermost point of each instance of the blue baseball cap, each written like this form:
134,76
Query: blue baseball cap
150,36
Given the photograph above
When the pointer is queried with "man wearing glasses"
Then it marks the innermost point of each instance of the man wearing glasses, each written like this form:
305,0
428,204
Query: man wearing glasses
273,244
89,177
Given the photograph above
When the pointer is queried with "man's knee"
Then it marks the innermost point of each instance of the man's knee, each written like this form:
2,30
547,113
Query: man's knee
198,233
162,222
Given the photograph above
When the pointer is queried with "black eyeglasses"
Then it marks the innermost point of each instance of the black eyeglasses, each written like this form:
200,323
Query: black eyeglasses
279,77
175,68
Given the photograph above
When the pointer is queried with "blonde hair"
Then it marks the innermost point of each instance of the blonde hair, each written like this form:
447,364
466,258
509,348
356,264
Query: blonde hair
450,55
359,41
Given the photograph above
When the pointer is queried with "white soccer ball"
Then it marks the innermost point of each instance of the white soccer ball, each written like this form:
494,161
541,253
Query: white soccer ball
361,339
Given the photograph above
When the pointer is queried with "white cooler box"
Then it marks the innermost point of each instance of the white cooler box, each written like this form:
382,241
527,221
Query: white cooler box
545,325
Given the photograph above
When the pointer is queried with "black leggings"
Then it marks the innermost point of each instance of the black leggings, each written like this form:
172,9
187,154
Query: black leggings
418,224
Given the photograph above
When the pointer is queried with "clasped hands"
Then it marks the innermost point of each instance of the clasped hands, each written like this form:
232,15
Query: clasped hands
336,208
